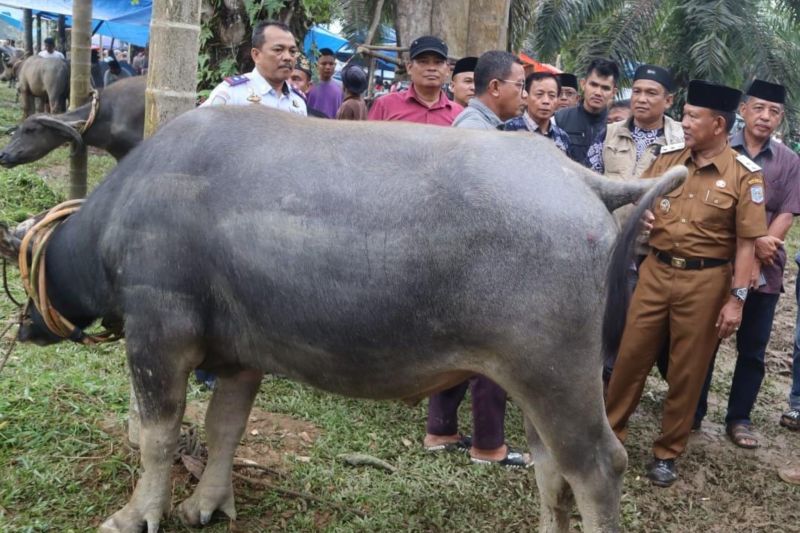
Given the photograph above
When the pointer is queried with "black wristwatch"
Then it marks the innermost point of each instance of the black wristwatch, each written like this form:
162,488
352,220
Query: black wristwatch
740,293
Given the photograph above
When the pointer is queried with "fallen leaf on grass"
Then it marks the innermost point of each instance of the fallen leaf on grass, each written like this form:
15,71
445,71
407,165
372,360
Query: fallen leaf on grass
406,442
362,459
194,465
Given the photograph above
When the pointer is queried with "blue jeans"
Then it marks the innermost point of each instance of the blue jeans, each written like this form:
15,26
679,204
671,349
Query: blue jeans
794,395
751,345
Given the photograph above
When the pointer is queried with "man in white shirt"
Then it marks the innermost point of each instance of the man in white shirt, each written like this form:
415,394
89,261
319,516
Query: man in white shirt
50,51
274,53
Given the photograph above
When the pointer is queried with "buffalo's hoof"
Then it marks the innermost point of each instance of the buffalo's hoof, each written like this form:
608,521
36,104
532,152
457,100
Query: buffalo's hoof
197,510
129,521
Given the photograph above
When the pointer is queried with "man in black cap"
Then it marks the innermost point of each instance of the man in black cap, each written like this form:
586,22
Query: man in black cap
625,149
354,83
424,102
462,81
568,96
684,292
584,122
762,112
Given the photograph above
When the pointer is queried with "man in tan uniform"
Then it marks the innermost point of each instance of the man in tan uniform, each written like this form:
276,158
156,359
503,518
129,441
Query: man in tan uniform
684,290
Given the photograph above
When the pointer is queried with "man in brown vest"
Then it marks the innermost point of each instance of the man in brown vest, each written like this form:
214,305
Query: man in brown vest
684,290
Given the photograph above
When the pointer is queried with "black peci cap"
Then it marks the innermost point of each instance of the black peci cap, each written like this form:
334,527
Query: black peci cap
568,80
427,43
655,73
713,96
465,64
771,92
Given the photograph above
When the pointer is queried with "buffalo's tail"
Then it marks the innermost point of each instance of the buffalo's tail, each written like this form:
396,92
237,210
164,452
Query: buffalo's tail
617,290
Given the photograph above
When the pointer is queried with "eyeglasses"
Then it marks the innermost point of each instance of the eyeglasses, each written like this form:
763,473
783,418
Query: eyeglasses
520,84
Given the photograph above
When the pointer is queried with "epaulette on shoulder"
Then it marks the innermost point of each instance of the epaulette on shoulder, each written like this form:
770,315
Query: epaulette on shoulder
669,148
748,163
239,79
298,93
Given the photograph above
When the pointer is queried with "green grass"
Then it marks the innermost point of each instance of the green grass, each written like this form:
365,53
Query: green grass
64,467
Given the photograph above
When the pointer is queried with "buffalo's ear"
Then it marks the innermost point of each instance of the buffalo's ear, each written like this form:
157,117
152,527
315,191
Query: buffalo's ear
9,244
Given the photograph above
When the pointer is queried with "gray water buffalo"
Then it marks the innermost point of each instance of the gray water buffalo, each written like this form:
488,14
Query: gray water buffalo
10,60
117,127
439,254
44,79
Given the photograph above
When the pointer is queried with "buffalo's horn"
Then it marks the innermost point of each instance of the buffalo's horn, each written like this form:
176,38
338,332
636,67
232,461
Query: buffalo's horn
59,125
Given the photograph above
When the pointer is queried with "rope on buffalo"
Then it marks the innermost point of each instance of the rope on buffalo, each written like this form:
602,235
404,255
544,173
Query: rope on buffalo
92,112
34,279
5,285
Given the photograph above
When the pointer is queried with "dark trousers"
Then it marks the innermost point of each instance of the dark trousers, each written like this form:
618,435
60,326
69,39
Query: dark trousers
488,412
751,345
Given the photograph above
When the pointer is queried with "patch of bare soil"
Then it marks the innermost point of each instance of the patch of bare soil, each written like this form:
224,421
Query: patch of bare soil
272,440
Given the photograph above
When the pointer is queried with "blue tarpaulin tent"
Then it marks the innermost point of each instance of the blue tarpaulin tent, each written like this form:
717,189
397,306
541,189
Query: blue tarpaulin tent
318,37
121,19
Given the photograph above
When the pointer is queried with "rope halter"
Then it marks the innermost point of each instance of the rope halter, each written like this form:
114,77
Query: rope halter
34,279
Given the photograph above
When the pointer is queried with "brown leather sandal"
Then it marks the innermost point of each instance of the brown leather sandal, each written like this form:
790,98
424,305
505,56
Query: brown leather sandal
740,433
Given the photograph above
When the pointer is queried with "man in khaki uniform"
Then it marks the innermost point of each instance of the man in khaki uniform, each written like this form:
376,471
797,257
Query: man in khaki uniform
684,288
626,149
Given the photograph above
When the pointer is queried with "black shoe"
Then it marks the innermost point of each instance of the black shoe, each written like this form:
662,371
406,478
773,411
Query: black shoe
662,472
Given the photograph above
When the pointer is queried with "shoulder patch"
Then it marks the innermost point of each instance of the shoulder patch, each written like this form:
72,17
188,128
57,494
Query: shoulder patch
757,193
233,81
748,163
666,149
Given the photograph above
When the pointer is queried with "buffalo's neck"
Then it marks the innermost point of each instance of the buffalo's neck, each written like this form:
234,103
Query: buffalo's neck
76,281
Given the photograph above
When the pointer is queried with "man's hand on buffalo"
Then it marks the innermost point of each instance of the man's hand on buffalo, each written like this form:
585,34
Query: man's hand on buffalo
767,248
647,221
730,316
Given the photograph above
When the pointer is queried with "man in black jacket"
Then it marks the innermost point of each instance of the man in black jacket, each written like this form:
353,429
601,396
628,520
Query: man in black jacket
584,122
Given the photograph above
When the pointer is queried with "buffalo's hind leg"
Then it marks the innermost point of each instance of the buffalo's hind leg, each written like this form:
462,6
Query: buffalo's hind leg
160,363
572,444
226,419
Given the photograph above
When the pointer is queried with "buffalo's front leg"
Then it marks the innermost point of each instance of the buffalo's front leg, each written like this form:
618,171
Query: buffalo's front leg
159,372
226,419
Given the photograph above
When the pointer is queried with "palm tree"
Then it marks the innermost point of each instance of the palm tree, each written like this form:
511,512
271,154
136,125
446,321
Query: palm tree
726,41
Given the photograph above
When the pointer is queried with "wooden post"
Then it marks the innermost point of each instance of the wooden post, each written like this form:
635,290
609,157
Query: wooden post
172,71
38,32
27,30
80,85
62,35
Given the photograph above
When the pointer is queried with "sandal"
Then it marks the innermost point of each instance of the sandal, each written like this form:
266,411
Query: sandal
461,445
511,460
740,434
791,419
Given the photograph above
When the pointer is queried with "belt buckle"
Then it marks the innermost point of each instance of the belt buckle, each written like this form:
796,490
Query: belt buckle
678,262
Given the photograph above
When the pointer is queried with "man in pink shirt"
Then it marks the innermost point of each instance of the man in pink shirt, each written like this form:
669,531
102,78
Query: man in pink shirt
424,102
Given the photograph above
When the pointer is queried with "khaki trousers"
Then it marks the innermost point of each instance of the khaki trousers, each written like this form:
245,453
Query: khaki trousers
683,304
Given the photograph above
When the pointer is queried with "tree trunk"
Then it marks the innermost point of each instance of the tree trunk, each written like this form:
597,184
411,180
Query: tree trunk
172,73
62,35
27,31
469,27
80,85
